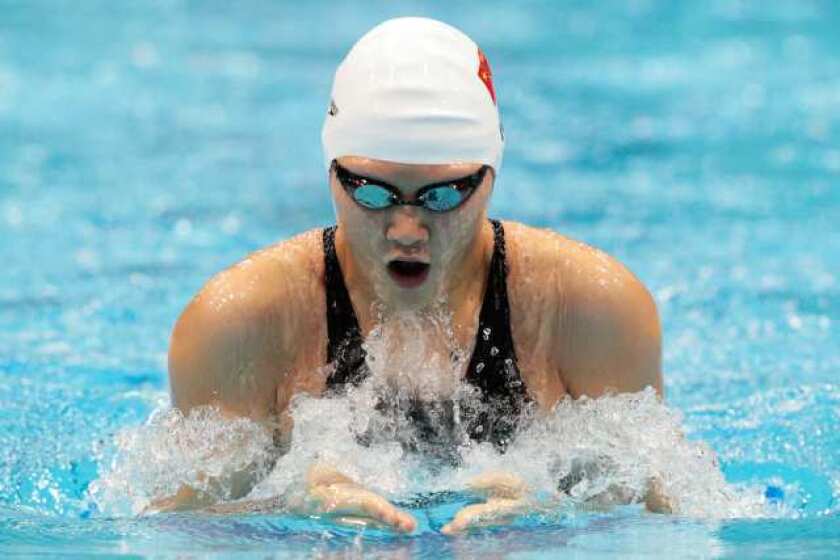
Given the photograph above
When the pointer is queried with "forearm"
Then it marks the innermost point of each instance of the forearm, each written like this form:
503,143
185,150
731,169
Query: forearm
207,491
331,492
186,498
324,474
588,482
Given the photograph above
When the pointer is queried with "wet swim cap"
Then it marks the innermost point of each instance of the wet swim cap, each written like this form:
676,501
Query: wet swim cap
414,90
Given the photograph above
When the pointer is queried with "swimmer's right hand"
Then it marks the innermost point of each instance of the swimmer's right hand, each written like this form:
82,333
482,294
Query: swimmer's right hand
333,493
186,498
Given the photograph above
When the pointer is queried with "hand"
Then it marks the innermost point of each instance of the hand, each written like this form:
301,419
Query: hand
505,499
334,493
656,500
186,498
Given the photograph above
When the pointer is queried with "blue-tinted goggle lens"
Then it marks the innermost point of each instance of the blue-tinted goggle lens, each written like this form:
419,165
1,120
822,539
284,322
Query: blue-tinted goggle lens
439,198
374,197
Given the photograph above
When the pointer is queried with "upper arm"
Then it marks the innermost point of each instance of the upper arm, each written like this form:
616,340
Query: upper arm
220,353
612,332
238,344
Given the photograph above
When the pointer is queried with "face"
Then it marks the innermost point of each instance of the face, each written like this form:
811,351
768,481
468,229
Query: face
410,254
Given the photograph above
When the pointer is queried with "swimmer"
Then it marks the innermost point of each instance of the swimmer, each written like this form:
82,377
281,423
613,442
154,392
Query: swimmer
413,145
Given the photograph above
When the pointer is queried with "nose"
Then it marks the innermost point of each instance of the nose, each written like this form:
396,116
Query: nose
405,228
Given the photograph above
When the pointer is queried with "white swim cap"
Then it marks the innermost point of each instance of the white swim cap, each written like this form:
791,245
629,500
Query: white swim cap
414,90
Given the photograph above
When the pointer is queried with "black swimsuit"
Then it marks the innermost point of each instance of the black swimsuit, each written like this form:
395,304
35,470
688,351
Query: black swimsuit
492,369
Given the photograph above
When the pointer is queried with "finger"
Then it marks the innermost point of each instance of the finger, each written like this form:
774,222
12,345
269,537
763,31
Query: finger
656,499
378,508
498,484
356,501
466,517
493,512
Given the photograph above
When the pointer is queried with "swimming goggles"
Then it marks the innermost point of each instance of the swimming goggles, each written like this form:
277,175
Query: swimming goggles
437,197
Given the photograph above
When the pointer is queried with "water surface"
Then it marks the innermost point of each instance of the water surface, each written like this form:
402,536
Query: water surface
145,146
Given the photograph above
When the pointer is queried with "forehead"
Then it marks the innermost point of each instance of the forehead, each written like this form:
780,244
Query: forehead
407,174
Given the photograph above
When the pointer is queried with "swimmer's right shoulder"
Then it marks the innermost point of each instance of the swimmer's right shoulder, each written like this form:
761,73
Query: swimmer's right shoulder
270,280
251,313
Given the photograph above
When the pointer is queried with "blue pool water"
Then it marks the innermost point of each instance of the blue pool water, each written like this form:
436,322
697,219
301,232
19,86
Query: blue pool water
145,146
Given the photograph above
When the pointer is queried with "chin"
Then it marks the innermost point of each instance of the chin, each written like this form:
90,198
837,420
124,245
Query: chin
416,297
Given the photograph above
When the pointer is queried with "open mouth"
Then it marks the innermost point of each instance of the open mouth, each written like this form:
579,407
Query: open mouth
408,274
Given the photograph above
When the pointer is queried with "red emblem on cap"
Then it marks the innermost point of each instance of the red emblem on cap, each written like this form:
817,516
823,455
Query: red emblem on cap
485,74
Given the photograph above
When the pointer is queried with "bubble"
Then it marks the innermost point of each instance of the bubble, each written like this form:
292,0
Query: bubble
170,450
583,453
183,228
144,55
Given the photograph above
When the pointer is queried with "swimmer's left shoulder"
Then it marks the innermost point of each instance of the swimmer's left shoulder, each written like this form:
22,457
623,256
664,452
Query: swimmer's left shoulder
601,310
552,256
297,258
575,265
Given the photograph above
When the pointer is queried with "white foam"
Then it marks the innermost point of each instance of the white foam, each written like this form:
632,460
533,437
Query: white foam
610,447
620,441
154,460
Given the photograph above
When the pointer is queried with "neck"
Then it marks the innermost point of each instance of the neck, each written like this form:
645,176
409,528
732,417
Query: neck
458,293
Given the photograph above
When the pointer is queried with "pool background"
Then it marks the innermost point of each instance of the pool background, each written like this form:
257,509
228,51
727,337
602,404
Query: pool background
145,146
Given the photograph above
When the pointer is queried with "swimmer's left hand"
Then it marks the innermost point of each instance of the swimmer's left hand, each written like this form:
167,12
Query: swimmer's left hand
505,498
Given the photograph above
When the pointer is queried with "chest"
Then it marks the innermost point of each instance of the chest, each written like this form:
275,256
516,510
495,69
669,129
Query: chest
438,354
536,349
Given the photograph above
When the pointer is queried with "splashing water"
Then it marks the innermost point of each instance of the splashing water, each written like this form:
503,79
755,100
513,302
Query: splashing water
583,453
170,450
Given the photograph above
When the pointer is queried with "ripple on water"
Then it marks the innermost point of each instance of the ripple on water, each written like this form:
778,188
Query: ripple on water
619,443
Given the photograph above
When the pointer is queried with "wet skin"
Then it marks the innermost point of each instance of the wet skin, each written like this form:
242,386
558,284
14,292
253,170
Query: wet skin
256,333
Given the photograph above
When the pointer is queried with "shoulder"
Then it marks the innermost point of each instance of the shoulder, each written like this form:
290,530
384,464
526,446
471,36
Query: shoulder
604,323
537,260
269,281
242,328
269,284
546,252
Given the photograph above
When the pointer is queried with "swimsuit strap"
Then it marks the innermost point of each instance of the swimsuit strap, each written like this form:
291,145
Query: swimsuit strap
493,367
344,346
